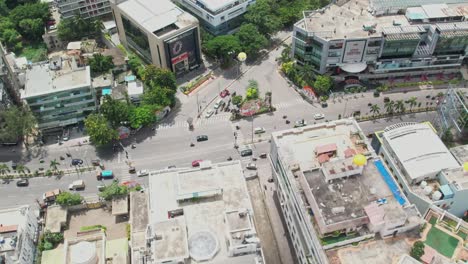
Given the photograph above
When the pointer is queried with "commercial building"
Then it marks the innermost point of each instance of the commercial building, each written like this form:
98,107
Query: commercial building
84,8
323,191
452,113
425,169
59,93
161,34
18,235
201,214
351,41
217,17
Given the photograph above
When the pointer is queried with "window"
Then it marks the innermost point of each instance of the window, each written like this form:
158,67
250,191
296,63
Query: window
222,18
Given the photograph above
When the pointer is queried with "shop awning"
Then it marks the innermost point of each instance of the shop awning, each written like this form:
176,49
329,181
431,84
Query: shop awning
353,67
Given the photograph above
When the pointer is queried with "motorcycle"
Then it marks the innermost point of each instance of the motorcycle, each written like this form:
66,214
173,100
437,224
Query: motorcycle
287,122
284,117
192,145
229,158
237,127
133,146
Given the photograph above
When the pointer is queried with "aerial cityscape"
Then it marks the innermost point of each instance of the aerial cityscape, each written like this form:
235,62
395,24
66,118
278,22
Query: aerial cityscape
233,131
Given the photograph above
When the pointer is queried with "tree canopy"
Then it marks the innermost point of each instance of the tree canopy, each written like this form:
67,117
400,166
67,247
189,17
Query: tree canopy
159,96
251,40
115,111
417,250
262,14
100,63
113,190
16,123
99,129
142,115
68,199
223,48
154,76
323,84
75,28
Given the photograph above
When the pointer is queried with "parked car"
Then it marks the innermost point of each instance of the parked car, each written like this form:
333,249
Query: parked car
251,166
76,185
96,162
142,173
209,113
246,152
196,163
171,166
319,116
202,138
218,104
270,180
224,93
101,187
22,183
259,130
76,162
14,165
131,169
263,155
300,123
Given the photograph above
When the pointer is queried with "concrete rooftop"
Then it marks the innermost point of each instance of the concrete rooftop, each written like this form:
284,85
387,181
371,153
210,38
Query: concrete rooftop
56,217
173,240
460,153
208,194
12,216
41,80
348,20
458,177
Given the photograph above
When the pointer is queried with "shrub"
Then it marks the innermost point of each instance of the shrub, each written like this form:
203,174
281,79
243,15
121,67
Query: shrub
48,246
128,230
93,227
68,199
417,250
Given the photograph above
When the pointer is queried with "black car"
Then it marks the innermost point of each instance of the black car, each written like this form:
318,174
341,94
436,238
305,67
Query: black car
77,162
22,183
246,152
202,138
14,165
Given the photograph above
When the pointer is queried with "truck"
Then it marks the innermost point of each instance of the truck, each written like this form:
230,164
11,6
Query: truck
105,174
49,197
76,185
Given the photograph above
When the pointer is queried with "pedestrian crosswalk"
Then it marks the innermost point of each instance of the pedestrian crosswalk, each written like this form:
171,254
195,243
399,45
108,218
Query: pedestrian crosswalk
200,122
288,104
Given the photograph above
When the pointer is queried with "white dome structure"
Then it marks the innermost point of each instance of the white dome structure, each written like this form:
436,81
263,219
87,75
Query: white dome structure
436,196
83,252
427,190
203,246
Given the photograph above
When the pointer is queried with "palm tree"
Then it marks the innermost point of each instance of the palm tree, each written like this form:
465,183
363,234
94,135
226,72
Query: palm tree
4,169
374,109
21,169
412,102
53,164
389,107
400,106
285,54
306,73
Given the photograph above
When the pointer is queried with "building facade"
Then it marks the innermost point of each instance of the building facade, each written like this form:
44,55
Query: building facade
218,17
18,234
162,34
452,114
84,8
59,93
349,41
424,168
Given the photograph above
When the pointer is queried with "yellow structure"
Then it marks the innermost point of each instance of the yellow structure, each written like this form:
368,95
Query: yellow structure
360,160
465,166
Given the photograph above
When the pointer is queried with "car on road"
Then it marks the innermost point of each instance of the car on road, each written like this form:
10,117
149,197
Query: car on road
259,130
142,173
251,166
101,187
196,163
270,180
14,165
209,113
76,162
202,138
131,169
218,103
319,116
224,93
77,185
22,183
300,123
246,152
171,167
263,155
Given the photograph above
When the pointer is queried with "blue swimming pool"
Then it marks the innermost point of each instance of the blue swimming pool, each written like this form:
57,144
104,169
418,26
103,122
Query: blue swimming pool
390,182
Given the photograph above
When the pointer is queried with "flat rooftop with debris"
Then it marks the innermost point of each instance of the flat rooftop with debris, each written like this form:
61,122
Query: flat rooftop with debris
211,203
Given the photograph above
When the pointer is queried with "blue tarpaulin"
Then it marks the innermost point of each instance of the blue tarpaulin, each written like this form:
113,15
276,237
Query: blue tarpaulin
106,91
391,184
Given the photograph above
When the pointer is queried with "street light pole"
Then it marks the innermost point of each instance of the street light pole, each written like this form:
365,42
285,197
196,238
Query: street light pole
252,132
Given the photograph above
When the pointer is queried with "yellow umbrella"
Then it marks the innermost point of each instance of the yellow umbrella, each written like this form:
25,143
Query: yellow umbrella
242,56
465,166
360,160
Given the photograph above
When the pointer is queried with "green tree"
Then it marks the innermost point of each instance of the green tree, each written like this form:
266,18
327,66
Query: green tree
100,63
37,10
54,165
159,96
4,169
32,29
252,93
323,84
154,76
285,54
99,129
374,109
113,190
142,116
250,40
237,100
389,107
262,15
400,106
75,28
21,169
306,73
11,4
68,199
4,10
417,250
288,68
17,123
115,111
135,63
223,48
412,102
12,39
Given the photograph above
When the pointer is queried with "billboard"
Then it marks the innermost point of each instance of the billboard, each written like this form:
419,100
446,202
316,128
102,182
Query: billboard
353,51
182,48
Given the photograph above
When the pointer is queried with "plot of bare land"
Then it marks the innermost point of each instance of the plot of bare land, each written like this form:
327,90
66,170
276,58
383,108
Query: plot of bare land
95,217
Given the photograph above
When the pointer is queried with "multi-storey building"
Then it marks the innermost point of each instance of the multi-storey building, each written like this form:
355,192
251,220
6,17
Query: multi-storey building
425,169
348,41
217,17
84,8
452,113
18,235
161,34
59,93
322,191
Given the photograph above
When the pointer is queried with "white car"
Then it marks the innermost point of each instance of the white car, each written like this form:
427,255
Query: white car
142,173
251,166
209,113
319,116
259,130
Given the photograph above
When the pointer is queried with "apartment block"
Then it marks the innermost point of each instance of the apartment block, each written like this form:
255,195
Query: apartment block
84,8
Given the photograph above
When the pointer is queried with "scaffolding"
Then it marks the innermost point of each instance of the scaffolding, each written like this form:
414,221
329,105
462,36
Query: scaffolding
452,113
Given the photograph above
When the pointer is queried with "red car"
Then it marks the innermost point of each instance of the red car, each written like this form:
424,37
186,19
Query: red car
224,93
196,163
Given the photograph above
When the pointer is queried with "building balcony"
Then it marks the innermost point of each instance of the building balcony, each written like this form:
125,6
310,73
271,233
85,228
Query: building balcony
60,99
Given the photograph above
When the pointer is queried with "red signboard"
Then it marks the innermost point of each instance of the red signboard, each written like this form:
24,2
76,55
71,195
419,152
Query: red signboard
179,58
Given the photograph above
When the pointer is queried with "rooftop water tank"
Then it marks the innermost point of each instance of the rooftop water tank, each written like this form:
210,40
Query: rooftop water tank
436,196
423,184
427,190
